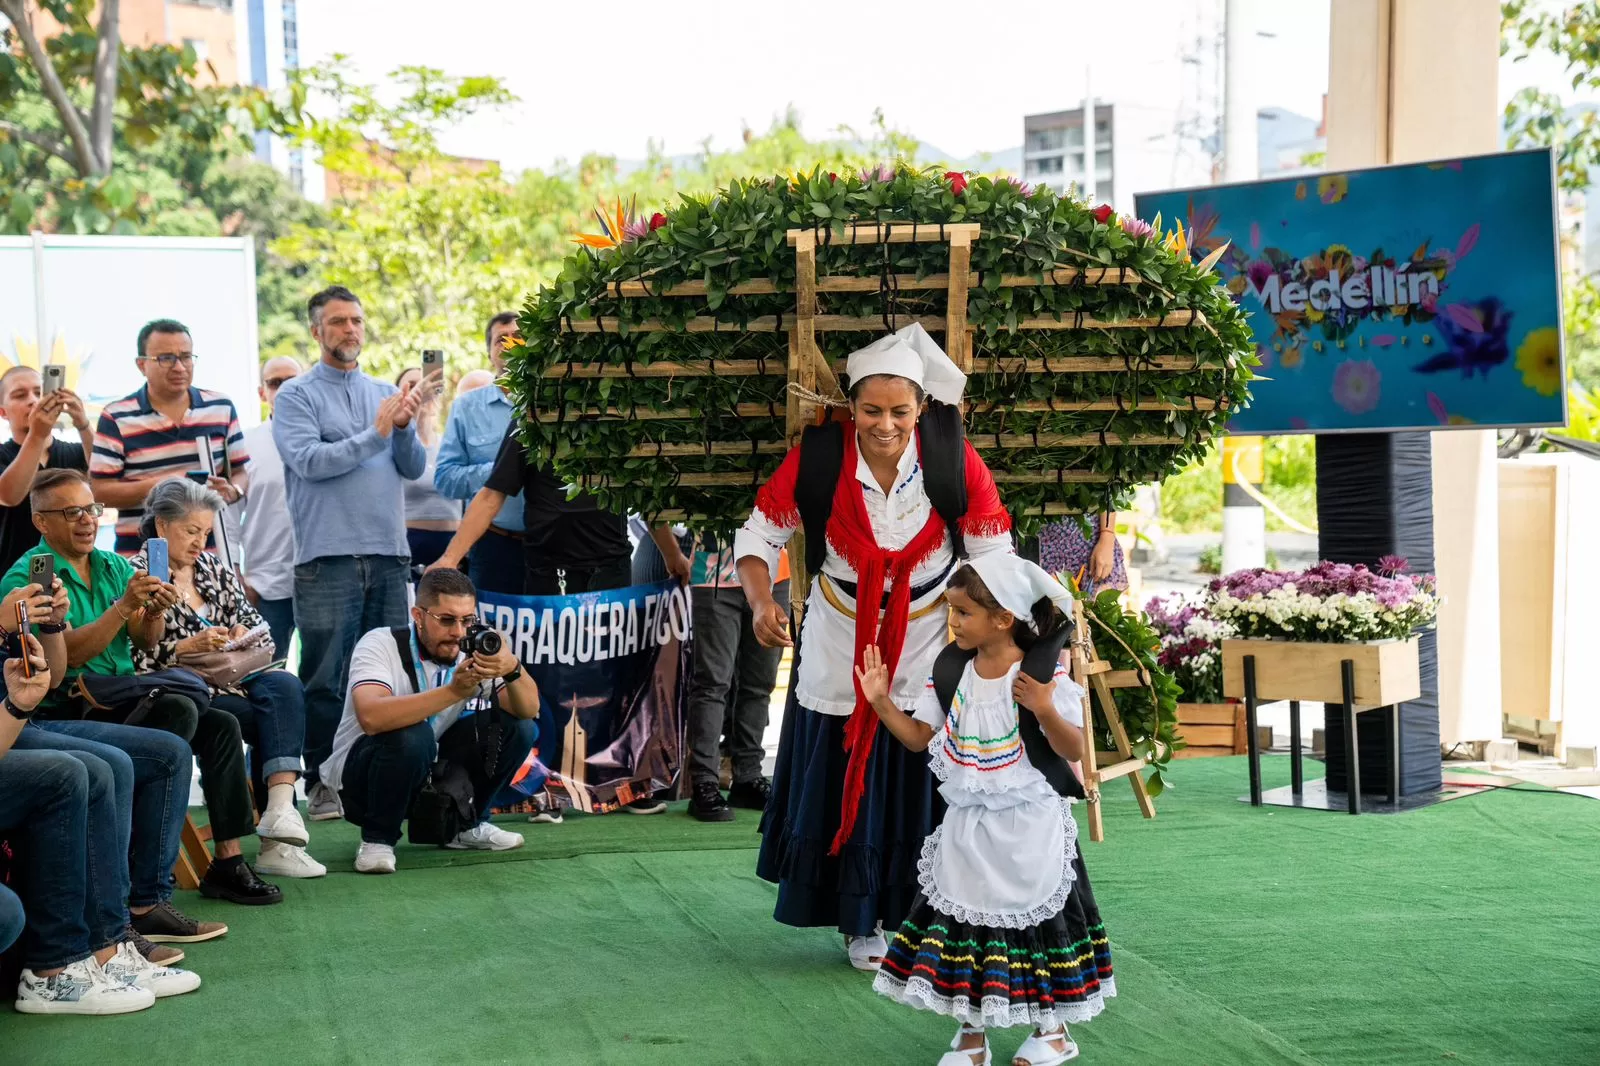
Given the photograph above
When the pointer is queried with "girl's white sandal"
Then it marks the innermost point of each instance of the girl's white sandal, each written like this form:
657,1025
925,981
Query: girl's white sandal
1040,1050
866,952
956,1057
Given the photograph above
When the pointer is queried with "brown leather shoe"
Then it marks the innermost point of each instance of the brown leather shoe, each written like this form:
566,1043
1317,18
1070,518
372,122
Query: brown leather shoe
156,953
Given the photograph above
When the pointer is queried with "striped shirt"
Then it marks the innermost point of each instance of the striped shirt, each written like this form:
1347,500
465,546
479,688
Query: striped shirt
134,442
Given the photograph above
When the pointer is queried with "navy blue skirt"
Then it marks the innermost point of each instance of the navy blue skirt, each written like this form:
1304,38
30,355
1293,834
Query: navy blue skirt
873,879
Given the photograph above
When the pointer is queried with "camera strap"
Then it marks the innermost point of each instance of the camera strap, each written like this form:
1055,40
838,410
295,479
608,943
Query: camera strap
484,725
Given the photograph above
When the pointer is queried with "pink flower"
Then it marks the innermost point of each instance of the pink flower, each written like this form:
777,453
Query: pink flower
1392,566
1136,227
1356,385
881,172
1022,187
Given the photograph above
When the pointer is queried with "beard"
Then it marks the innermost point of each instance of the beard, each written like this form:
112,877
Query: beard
349,353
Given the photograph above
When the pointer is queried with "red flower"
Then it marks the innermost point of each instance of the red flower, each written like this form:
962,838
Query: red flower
832,177
1102,214
657,220
957,180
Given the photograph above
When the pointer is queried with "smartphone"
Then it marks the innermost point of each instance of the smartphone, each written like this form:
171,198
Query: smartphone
42,572
156,552
432,360
22,637
55,377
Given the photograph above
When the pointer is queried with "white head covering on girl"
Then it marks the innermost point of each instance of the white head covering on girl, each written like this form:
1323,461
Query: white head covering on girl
911,354
1017,585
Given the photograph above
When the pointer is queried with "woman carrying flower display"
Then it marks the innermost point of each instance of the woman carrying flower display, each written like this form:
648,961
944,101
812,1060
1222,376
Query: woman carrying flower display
889,502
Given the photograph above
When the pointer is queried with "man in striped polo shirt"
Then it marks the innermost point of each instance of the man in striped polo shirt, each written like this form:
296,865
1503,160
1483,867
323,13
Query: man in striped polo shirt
157,432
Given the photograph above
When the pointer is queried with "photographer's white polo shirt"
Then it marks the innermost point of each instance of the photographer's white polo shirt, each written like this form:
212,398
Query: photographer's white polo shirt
376,661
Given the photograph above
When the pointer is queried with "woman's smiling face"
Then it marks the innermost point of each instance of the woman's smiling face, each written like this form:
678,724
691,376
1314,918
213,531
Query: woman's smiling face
885,409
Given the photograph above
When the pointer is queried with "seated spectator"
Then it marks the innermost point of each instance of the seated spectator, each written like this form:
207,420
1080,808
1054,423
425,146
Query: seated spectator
270,706
62,811
430,517
149,771
112,607
405,709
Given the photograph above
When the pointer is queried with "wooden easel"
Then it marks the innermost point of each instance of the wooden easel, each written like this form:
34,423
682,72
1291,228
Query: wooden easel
1099,679
194,858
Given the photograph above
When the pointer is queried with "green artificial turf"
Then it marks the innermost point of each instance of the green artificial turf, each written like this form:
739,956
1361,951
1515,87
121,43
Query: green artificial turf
1454,934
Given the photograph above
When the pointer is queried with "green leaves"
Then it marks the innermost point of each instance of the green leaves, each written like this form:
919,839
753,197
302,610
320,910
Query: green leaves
737,235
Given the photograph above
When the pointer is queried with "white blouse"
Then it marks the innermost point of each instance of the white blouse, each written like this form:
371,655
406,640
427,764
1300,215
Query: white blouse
826,681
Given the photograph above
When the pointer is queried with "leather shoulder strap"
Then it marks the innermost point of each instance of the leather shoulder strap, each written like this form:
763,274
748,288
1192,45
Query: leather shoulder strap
943,440
947,670
821,462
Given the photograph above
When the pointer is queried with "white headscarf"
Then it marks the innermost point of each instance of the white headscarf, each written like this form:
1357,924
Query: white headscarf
1017,585
911,354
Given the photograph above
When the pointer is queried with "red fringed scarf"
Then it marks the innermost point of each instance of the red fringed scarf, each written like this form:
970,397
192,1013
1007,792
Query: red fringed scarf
850,533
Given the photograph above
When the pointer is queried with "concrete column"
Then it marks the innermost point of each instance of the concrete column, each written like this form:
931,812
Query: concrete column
1413,80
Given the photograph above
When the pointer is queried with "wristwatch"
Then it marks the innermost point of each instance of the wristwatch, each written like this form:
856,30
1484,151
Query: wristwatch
513,675
14,711
48,627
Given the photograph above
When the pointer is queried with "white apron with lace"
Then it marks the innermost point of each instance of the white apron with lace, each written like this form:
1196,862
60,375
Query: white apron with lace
1003,855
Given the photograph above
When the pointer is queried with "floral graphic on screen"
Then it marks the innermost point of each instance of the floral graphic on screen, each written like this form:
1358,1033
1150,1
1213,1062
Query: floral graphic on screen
1356,385
1474,336
78,363
1539,360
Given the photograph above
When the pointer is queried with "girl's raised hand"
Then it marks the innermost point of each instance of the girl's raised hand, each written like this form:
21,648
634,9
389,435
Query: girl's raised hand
873,675
1036,697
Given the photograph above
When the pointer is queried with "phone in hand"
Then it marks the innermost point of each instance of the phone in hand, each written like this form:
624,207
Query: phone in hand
432,360
157,566
22,637
42,572
55,377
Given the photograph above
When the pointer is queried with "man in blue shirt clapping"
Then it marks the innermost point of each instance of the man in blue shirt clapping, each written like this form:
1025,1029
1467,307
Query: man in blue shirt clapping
348,442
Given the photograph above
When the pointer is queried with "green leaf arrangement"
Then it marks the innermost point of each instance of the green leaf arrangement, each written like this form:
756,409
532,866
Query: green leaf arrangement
1128,641
1060,440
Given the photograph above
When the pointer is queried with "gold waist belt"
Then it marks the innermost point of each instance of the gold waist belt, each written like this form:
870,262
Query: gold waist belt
830,594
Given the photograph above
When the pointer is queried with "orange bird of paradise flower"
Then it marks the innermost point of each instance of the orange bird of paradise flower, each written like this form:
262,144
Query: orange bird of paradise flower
612,228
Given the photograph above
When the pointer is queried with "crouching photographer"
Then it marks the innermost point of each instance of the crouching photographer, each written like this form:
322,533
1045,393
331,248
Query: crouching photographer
437,719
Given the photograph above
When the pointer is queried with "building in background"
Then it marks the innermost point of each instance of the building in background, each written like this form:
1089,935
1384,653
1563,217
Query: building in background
205,25
271,30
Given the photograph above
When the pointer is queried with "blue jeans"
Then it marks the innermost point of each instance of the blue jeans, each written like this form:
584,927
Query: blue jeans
495,563
272,720
62,806
156,790
383,773
337,598
12,918
279,616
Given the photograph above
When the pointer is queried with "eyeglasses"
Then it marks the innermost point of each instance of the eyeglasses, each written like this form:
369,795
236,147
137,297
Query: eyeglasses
168,361
278,383
75,514
449,621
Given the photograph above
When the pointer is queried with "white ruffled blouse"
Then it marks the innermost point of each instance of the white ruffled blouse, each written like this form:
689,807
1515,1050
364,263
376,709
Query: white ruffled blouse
1003,855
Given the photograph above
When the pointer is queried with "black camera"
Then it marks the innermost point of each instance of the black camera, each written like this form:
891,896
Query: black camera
482,640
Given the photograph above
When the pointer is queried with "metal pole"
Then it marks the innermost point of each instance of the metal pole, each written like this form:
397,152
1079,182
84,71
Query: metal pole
1296,775
1252,745
1352,754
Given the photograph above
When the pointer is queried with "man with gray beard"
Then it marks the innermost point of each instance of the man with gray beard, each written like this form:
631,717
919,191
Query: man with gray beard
348,442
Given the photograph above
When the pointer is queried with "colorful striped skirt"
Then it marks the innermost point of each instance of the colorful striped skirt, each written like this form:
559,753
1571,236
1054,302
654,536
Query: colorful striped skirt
1053,973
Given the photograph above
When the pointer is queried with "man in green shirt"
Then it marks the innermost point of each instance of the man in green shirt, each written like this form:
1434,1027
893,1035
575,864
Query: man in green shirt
111,605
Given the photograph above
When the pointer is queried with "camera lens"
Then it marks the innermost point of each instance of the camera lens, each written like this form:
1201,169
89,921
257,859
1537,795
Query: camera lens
490,642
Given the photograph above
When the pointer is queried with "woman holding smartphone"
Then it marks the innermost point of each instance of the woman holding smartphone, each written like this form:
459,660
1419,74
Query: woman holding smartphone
211,611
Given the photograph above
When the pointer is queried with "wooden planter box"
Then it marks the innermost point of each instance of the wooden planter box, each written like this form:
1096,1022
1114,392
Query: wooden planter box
1385,673
1211,729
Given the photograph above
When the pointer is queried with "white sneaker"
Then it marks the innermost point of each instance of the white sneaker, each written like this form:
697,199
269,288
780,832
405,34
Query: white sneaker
283,825
129,967
375,859
485,837
285,860
81,988
322,803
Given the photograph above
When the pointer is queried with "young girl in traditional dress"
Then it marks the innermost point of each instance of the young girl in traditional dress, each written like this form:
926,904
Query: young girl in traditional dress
1005,930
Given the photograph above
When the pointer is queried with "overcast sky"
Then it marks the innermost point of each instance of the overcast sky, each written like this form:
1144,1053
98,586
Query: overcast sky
959,75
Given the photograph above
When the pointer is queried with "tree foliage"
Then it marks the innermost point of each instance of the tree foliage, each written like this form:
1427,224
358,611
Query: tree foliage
1540,119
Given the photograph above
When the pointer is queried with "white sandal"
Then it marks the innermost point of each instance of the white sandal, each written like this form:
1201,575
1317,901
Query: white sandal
1041,1049
957,1057
866,952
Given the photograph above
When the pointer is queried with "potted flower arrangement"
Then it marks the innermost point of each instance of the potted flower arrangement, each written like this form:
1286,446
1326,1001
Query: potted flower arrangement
1191,648
1337,611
